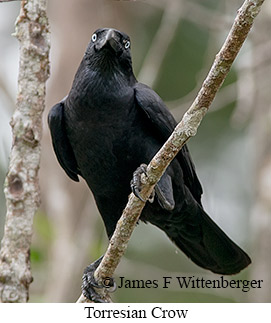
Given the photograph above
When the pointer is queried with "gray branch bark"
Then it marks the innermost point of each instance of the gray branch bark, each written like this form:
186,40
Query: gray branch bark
22,184
183,131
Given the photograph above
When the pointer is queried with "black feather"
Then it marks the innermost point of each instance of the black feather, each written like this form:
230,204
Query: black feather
107,126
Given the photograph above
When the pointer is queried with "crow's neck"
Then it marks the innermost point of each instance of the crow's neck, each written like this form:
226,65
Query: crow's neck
111,66
101,87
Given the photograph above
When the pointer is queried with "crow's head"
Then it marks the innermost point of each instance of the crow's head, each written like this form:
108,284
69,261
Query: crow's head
109,47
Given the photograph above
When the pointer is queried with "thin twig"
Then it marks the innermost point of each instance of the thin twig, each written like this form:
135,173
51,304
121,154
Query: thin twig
183,131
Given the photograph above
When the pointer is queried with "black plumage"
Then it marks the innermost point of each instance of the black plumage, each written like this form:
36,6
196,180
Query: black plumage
107,126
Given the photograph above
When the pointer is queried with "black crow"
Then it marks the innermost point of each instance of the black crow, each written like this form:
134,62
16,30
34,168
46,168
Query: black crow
107,128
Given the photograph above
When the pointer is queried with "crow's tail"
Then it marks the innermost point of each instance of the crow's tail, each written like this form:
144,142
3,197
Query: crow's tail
208,246
215,250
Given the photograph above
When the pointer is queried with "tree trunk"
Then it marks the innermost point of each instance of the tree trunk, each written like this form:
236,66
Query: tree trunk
22,184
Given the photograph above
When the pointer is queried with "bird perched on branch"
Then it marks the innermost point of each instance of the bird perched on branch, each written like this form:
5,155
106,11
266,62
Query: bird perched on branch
107,129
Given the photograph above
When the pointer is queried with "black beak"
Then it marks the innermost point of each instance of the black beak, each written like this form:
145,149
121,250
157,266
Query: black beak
110,40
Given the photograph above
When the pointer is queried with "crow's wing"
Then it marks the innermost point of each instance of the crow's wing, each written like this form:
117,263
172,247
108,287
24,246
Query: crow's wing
61,144
163,121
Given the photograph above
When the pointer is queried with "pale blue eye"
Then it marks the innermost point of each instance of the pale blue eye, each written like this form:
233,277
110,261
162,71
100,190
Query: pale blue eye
94,37
127,44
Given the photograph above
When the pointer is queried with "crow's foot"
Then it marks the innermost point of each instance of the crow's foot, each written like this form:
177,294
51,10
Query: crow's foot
89,283
136,183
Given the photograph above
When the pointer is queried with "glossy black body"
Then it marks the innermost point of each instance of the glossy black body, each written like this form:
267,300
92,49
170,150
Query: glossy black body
107,126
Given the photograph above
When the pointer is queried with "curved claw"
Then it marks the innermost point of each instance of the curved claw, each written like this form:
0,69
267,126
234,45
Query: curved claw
136,181
137,194
88,290
89,283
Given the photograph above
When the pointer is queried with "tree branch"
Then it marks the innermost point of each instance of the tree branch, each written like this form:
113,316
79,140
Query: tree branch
183,131
21,185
